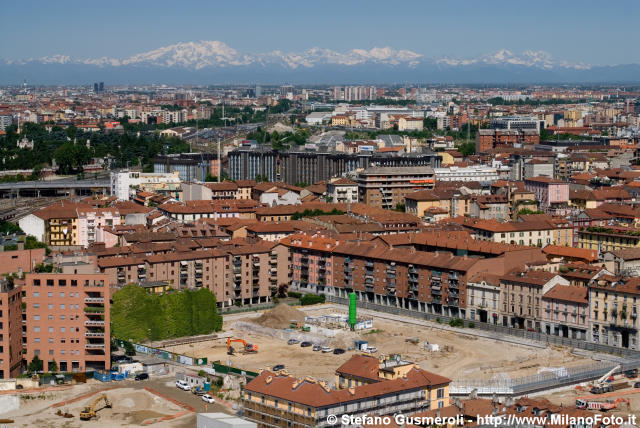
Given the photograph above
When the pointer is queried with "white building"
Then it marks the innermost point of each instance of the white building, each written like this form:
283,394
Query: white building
90,223
33,225
481,173
318,117
125,183
342,190
280,197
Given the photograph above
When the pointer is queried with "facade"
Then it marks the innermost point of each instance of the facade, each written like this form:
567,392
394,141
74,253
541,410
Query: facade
483,302
197,209
408,123
235,274
19,261
487,139
10,330
482,174
67,320
614,314
251,163
91,221
342,191
552,195
608,238
517,122
386,187
521,298
566,311
189,166
125,183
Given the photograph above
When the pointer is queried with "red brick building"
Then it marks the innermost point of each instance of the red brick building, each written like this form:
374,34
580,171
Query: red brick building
67,320
10,330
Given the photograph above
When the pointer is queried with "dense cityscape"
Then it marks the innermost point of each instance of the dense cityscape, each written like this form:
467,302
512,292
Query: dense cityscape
272,237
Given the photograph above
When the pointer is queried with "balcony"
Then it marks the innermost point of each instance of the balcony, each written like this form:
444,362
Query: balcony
94,323
368,288
94,300
94,334
94,346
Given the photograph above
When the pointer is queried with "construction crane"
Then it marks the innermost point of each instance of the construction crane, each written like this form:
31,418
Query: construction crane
248,348
90,412
600,386
601,405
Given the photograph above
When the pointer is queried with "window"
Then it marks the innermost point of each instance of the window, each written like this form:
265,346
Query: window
440,393
36,294
36,317
36,340
36,329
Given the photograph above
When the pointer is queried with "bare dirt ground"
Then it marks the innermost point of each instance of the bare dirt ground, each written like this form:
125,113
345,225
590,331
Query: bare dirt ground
461,355
130,407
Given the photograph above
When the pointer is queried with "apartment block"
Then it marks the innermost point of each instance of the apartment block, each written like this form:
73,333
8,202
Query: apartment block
521,297
240,274
386,187
66,319
280,400
614,311
10,329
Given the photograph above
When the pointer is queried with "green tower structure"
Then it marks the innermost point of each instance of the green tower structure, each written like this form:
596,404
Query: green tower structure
352,309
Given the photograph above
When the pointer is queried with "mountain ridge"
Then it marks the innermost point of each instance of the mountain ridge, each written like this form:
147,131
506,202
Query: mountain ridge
214,61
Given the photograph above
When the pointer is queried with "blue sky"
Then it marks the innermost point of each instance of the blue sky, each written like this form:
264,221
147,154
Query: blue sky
593,32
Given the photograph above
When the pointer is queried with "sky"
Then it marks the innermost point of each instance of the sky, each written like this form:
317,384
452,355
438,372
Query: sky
592,32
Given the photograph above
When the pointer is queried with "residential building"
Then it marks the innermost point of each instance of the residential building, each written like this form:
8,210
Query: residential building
280,400
521,298
408,123
614,311
253,162
603,238
189,166
125,183
487,139
424,202
10,329
19,261
552,195
483,174
483,302
197,209
566,311
55,225
490,207
518,122
68,320
386,187
90,221
342,191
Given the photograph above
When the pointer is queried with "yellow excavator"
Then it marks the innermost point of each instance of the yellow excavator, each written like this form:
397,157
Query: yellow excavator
90,412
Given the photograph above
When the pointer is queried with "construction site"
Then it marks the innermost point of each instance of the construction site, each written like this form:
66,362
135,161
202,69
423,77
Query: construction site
94,405
276,337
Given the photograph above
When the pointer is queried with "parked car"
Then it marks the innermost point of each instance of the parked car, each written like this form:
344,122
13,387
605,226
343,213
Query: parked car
338,351
183,385
196,390
305,344
209,399
631,374
292,341
142,376
317,347
370,350
636,385
278,367
326,349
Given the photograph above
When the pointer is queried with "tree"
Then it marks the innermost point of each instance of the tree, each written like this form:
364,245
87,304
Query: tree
129,349
35,365
53,366
467,149
64,156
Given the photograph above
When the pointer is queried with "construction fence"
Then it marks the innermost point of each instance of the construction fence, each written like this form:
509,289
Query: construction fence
499,329
165,355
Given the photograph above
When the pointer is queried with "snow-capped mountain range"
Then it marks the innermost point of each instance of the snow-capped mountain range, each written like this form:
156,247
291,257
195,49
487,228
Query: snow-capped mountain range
217,62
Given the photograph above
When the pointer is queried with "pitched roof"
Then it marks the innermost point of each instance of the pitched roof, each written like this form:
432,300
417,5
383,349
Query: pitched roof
310,393
568,293
570,252
362,366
